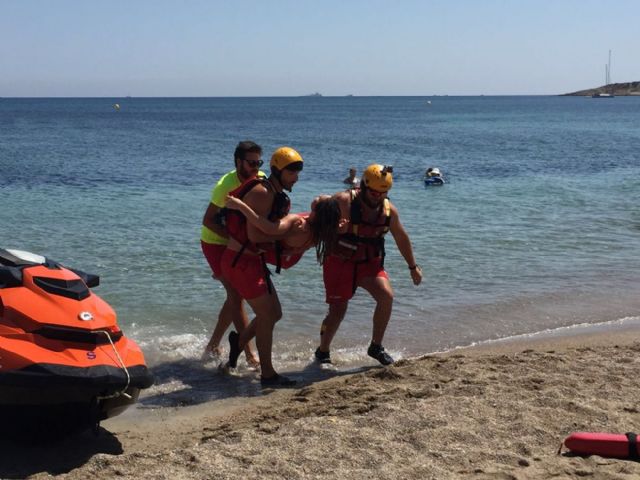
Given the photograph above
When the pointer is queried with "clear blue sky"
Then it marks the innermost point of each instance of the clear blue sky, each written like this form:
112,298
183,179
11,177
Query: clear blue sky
296,47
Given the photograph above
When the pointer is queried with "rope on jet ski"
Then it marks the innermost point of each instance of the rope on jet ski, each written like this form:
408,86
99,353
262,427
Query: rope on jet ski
124,390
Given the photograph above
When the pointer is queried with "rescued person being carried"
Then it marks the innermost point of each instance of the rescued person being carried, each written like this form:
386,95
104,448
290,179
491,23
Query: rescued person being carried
298,232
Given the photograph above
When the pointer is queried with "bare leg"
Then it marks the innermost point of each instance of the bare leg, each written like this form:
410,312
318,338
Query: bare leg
232,311
224,320
331,323
268,311
381,291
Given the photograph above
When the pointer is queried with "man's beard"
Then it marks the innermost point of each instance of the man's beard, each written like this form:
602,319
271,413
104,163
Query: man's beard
246,174
370,203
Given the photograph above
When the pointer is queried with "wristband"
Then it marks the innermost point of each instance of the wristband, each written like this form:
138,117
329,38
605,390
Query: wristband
413,267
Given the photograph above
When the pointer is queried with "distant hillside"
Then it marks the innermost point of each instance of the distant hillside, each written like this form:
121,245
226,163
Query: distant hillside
618,89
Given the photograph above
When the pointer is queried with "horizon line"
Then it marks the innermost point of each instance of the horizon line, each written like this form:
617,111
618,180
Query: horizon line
289,96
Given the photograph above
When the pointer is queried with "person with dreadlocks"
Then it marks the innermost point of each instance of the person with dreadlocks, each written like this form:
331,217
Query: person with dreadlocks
299,231
357,260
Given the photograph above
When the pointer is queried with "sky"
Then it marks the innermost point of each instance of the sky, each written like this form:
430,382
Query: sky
183,48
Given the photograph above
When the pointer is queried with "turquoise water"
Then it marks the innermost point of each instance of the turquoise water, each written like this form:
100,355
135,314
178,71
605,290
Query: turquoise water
538,226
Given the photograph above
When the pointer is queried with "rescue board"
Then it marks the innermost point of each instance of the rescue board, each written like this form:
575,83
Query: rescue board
615,445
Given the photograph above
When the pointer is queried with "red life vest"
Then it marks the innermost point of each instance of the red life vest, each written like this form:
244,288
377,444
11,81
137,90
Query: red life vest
364,240
235,222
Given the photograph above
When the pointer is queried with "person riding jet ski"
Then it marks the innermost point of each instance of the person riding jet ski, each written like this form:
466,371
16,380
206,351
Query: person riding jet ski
433,177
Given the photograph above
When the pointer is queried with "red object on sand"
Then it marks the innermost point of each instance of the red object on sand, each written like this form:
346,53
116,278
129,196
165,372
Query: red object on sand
616,445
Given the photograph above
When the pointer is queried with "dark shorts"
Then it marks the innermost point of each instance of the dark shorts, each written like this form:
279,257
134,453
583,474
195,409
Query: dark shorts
213,253
247,276
338,275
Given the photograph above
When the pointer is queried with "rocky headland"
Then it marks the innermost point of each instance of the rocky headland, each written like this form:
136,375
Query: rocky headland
617,89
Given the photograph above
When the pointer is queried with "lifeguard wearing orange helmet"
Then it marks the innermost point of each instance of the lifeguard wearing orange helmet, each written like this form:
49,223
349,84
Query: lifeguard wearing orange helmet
357,260
378,177
244,263
286,163
286,157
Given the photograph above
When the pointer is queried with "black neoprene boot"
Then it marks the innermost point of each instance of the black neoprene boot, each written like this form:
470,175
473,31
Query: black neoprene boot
234,348
377,351
322,357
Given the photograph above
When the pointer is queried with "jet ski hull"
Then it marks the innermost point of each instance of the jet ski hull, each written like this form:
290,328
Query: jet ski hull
62,354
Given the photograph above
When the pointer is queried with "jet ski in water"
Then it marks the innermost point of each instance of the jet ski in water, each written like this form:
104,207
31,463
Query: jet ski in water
433,177
63,359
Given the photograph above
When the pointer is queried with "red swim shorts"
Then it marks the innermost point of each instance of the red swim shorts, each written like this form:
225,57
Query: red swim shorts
247,276
338,275
213,253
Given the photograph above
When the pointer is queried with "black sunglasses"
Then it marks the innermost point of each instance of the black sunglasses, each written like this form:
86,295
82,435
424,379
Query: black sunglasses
254,163
295,167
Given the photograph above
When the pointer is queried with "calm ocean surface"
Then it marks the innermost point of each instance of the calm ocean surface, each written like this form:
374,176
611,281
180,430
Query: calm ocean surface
538,227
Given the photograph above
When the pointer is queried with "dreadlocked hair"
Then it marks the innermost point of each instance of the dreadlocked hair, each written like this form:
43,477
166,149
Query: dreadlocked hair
324,228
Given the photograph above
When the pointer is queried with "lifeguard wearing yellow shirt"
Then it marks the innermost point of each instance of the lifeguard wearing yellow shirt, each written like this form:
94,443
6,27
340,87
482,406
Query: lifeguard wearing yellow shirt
213,240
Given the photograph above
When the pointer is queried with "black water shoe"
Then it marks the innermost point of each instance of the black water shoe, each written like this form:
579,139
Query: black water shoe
323,357
234,348
277,381
377,352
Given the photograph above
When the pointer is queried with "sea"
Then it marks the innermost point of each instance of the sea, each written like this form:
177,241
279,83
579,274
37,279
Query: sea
537,228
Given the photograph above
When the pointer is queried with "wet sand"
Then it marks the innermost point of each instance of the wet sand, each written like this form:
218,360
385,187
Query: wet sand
496,411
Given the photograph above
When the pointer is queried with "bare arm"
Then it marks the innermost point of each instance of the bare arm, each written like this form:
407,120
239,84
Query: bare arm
277,228
208,221
260,200
404,245
344,201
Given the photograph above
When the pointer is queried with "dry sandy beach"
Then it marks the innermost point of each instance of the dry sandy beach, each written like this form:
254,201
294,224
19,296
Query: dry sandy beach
490,412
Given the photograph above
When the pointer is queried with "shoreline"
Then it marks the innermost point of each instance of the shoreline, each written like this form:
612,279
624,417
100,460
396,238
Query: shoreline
496,409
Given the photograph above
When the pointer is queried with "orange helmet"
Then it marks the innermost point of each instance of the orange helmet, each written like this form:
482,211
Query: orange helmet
283,157
378,177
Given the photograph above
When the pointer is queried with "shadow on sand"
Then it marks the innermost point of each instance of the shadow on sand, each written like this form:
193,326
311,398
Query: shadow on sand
189,382
181,383
22,455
